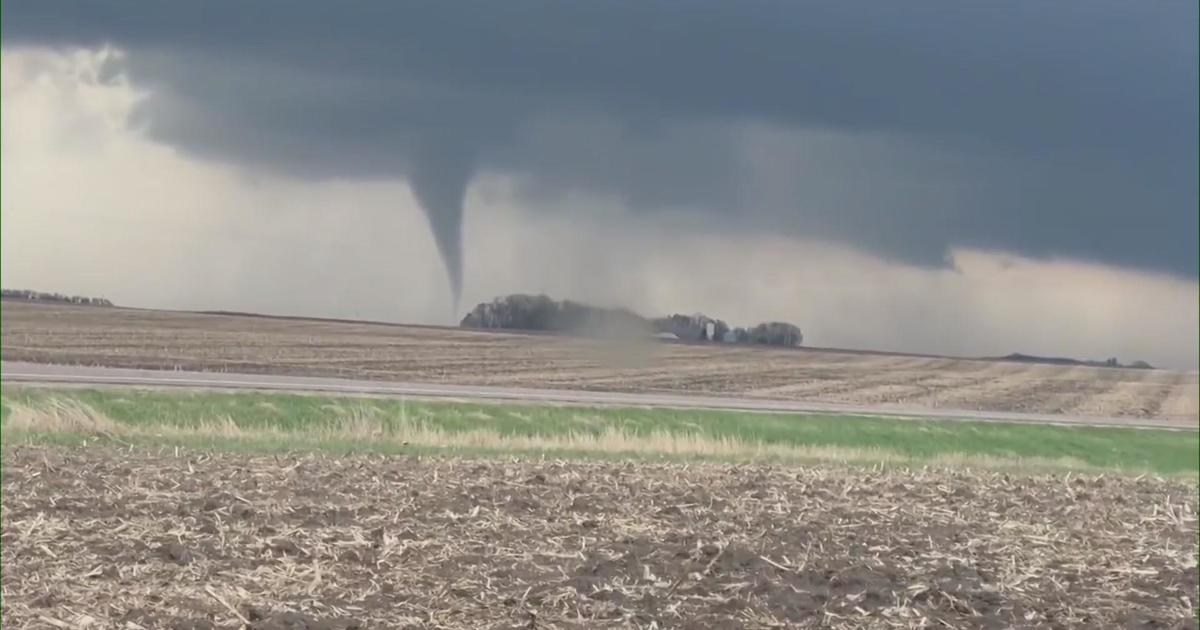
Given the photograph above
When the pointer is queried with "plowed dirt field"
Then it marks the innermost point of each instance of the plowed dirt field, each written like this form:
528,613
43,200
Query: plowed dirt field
103,538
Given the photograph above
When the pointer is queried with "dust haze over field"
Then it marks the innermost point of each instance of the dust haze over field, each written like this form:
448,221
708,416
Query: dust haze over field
884,197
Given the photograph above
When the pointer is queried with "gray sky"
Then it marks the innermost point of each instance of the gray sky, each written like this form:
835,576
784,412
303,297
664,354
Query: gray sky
1050,134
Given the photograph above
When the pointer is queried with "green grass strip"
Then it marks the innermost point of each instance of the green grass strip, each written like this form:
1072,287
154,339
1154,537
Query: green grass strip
303,420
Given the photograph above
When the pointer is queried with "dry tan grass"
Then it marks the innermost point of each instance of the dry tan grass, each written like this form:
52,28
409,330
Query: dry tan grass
57,415
365,424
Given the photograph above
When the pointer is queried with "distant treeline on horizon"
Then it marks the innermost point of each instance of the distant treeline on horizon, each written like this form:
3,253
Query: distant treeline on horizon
38,296
1109,363
541,313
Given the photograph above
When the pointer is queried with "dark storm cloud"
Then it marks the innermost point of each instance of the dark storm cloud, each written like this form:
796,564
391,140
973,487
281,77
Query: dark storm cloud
1045,128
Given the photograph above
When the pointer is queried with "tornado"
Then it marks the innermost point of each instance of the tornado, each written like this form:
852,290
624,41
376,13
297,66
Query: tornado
439,176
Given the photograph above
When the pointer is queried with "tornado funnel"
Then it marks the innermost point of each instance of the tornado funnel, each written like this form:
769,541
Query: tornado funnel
439,177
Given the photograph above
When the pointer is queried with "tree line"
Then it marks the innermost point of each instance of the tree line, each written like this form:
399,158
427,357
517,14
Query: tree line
541,313
38,296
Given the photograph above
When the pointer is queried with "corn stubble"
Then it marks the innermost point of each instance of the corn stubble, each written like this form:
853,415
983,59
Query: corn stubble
106,537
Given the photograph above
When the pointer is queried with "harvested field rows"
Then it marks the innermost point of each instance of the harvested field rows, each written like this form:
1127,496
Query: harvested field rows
157,339
135,539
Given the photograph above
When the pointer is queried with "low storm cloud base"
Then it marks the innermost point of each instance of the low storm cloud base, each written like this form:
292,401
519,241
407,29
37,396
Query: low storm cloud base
1063,129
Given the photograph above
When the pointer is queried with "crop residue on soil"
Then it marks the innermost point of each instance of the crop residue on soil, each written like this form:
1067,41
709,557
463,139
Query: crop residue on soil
117,337
132,539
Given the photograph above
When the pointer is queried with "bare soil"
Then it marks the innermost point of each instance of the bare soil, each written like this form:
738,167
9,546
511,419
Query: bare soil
104,538
169,340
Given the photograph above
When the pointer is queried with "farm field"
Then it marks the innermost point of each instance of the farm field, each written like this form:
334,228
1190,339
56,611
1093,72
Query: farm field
169,538
170,340
140,509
